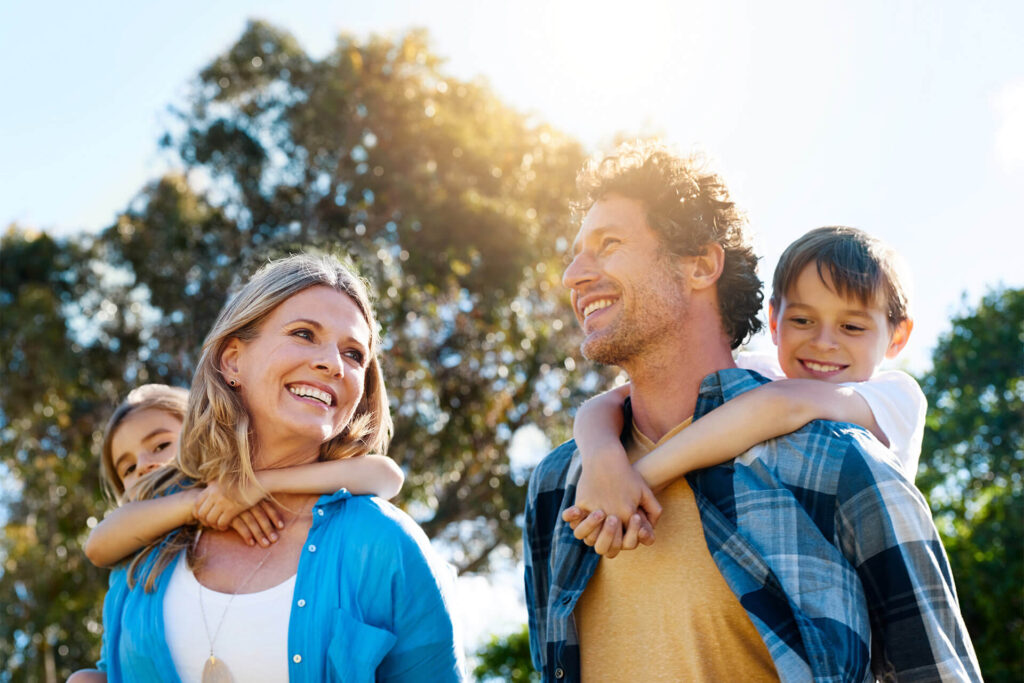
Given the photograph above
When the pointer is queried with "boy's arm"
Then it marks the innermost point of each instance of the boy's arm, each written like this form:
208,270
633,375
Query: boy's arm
764,413
135,525
608,483
366,474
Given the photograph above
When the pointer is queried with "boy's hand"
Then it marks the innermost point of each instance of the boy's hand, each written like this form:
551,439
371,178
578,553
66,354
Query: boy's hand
606,535
609,483
258,524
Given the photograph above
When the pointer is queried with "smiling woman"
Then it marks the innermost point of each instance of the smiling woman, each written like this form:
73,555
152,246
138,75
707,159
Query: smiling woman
289,376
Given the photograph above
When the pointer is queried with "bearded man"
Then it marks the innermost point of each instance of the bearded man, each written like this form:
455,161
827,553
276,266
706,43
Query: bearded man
808,557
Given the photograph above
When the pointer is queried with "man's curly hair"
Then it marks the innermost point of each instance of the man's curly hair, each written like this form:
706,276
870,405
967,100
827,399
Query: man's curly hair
689,208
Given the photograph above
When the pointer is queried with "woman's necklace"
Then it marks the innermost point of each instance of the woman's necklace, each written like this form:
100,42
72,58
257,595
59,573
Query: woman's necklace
215,670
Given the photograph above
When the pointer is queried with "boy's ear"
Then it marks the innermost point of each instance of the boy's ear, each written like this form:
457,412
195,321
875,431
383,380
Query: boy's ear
707,266
773,323
900,337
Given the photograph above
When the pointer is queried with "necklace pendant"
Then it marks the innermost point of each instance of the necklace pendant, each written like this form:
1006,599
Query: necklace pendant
216,671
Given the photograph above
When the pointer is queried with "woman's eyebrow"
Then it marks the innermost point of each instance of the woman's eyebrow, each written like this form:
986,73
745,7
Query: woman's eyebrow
307,321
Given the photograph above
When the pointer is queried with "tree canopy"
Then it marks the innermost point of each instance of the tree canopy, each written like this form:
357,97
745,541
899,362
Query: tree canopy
973,472
452,204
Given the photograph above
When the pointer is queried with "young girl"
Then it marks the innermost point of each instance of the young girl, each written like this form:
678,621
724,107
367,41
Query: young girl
838,309
142,436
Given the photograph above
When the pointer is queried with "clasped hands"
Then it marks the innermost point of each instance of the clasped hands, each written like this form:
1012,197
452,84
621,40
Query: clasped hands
253,517
614,508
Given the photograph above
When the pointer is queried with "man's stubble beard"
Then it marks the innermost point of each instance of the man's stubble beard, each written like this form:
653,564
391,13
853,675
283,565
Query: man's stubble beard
663,309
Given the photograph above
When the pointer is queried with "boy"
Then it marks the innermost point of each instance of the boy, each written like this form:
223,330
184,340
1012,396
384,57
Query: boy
838,309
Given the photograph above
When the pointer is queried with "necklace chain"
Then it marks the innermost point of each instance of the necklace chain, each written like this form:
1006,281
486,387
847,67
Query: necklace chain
202,611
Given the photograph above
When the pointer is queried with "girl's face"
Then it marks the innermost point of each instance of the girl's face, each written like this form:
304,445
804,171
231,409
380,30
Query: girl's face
145,440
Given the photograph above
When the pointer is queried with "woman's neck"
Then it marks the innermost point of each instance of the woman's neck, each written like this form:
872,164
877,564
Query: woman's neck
284,453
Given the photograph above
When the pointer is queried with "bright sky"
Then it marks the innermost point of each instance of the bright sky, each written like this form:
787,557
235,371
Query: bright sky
902,117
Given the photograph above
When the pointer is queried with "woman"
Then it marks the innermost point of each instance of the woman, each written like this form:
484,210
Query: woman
352,591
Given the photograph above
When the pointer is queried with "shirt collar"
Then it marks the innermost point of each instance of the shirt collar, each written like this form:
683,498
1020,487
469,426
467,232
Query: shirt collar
333,500
725,385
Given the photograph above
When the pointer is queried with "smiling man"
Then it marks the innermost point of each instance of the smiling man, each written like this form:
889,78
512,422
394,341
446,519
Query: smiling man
808,557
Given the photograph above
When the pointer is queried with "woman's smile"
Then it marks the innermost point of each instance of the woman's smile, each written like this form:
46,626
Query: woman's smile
303,375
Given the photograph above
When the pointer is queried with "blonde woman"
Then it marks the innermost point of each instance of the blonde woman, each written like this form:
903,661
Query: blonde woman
288,377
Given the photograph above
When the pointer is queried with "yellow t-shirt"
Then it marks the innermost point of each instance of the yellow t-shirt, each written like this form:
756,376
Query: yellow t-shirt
663,612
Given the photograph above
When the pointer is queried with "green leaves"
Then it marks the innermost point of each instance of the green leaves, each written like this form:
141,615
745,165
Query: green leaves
453,205
973,472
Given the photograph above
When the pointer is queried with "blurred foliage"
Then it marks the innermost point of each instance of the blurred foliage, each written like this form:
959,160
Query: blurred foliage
507,659
973,472
453,205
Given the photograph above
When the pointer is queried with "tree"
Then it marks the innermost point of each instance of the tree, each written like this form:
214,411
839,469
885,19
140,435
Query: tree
507,659
51,408
973,472
454,206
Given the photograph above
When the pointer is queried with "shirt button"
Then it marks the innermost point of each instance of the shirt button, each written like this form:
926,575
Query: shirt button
566,600
320,512
312,548
297,659
301,603
559,672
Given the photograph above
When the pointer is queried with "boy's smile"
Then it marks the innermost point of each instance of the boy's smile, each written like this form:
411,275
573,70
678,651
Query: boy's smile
822,335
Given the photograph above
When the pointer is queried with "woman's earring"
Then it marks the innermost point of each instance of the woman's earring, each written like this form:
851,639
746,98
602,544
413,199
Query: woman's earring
233,382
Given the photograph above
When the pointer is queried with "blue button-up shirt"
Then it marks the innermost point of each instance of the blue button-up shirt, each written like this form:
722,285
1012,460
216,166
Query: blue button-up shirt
832,553
371,602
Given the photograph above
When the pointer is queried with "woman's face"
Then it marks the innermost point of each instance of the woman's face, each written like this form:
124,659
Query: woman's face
302,376
142,442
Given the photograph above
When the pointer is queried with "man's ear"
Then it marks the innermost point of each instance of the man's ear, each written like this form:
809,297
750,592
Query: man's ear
773,323
707,266
229,359
900,337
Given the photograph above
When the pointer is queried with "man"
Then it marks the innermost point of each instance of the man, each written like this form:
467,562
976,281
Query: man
808,557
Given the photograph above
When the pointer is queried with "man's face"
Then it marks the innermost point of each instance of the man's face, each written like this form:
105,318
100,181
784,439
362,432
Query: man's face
626,291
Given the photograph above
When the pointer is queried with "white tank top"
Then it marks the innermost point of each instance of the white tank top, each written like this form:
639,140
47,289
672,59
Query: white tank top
253,641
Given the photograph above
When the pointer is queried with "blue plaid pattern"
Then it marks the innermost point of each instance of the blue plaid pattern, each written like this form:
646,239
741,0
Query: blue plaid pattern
831,552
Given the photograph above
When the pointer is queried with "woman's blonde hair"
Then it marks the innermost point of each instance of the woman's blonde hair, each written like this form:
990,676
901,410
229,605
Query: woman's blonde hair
171,400
217,435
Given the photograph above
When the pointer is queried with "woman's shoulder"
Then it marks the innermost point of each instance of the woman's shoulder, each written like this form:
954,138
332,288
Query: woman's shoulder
372,520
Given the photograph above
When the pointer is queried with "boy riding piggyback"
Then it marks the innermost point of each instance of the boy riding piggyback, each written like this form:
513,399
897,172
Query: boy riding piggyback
839,308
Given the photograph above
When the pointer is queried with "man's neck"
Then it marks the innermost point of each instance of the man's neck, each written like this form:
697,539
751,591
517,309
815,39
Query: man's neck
664,389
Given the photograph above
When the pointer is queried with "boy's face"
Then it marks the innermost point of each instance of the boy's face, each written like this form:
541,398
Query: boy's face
822,335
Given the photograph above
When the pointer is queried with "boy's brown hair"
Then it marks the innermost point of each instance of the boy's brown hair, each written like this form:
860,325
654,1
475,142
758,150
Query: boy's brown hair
858,265
171,400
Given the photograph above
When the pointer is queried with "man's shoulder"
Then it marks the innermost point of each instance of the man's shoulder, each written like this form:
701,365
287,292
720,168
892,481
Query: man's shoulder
827,455
551,472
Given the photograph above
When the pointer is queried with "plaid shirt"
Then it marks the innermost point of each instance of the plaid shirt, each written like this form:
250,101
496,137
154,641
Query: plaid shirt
831,552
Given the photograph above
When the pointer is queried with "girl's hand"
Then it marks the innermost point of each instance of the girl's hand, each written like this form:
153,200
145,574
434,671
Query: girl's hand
215,509
259,524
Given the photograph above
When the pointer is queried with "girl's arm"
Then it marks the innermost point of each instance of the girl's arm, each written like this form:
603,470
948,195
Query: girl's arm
764,413
135,525
365,474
